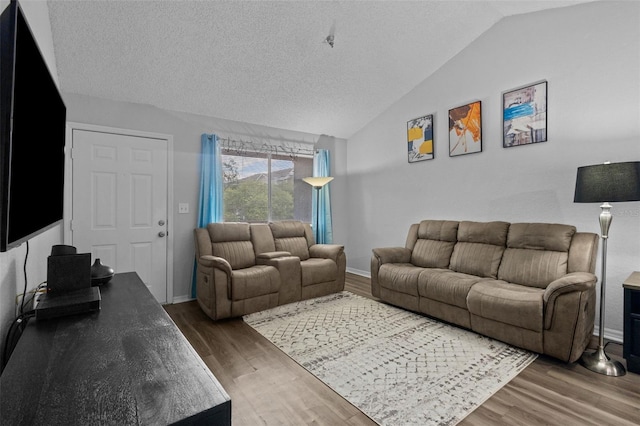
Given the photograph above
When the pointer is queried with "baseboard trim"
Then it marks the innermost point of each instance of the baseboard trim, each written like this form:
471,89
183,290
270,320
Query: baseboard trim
182,299
366,274
609,334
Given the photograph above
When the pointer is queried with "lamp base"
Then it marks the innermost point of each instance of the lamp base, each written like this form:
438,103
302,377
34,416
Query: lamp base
600,362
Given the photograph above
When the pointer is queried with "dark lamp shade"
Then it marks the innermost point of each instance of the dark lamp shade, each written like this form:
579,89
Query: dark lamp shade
612,182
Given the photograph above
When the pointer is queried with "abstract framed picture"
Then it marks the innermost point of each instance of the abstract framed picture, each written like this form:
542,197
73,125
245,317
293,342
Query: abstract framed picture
524,115
420,139
465,129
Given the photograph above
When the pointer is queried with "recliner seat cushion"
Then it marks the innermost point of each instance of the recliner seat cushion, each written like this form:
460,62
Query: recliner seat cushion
508,303
317,270
446,286
256,281
400,277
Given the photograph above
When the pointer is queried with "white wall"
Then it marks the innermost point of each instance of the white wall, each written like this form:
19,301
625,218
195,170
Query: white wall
590,56
12,262
186,130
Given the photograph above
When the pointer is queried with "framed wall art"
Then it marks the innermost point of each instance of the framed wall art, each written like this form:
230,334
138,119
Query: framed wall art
420,139
465,129
524,113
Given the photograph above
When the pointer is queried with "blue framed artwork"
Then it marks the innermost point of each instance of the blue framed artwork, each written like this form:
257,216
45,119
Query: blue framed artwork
524,113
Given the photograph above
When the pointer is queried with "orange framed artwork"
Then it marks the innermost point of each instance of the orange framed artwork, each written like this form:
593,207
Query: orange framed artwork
465,129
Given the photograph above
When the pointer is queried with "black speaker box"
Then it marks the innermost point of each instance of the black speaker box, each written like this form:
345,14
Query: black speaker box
67,273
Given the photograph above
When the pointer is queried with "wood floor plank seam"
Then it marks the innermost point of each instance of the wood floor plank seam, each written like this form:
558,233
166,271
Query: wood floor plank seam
269,388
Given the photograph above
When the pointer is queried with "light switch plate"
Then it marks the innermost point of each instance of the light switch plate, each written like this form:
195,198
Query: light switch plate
183,208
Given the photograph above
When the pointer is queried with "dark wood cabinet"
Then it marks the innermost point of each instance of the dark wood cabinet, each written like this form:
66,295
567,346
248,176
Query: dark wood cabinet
631,345
127,364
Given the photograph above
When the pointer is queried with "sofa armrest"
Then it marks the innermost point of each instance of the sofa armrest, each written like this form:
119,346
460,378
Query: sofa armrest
392,255
326,251
573,282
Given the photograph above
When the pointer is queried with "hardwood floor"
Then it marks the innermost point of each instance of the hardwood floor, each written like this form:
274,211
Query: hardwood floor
269,388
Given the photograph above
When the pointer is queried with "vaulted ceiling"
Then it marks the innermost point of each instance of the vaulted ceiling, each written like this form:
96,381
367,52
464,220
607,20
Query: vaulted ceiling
266,62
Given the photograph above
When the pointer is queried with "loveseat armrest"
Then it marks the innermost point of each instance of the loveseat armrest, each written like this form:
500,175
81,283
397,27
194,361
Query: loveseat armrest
326,251
271,255
573,282
209,263
392,255
215,262
288,267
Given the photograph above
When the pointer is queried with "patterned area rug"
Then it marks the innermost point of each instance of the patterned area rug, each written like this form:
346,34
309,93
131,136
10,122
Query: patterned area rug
397,367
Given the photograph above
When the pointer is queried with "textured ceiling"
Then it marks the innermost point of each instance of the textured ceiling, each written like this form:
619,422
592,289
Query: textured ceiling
265,62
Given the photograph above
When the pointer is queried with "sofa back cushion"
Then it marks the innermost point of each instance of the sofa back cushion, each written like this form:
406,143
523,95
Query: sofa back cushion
232,242
289,235
479,248
536,254
434,244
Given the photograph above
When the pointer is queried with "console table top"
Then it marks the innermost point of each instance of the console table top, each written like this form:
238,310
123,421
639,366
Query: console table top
126,364
633,282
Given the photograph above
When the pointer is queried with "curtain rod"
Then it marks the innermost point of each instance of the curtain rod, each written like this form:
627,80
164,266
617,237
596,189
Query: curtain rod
292,149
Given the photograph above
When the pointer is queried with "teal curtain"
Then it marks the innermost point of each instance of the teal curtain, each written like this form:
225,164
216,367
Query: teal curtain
324,227
210,207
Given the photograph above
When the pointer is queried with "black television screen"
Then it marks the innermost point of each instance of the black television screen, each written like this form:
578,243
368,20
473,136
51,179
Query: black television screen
32,137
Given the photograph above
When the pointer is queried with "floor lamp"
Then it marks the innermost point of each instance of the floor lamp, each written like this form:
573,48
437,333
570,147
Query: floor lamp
317,183
604,183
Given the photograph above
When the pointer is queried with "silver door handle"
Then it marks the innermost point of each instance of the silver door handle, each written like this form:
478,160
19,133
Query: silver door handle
161,234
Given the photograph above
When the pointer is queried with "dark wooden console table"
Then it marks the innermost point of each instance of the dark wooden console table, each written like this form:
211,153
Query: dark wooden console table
631,342
125,365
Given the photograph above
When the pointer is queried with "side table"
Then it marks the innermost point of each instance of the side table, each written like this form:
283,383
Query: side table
631,344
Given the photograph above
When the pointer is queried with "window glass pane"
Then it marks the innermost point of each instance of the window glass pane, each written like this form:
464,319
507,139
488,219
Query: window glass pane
246,187
282,172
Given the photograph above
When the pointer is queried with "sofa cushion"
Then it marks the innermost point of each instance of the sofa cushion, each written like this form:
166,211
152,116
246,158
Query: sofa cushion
446,286
239,254
290,236
493,233
229,231
256,281
232,242
400,277
318,270
435,242
431,253
536,254
507,303
540,236
479,248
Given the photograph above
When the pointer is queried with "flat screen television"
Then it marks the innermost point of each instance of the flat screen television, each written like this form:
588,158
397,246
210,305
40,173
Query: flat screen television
32,139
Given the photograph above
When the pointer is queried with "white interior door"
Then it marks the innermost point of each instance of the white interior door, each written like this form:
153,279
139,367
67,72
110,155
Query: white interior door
119,206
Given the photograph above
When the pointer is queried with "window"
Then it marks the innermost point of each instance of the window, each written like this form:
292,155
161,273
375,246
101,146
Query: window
266,187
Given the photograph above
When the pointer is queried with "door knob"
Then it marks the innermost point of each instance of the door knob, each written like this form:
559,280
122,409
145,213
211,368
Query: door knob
161,234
